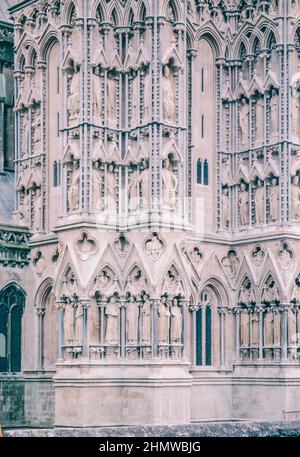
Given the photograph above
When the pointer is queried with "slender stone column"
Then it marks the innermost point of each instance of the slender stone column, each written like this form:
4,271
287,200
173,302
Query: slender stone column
60,304
122,304
260,332
184,303
237,332
193,309
40,313
222,311
85,303
284,332
154,316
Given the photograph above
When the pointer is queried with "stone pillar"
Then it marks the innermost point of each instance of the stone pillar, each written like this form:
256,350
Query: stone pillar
193,309
185,303
284,332
261,332
222,311
122,304
237,332
60,304
154,341
40,313
85,303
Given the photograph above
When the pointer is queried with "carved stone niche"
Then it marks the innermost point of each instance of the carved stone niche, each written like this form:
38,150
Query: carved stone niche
258,255
285,255
154,246
39,263
85,246
231,263
57,253
122,245
193,254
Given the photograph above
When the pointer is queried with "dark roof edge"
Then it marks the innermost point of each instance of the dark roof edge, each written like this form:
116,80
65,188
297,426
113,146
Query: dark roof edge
20,5
6,24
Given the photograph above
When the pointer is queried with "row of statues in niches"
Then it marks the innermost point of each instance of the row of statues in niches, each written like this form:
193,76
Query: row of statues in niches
113,183
264,199
30,131
272,317
263,120
105,320
108,89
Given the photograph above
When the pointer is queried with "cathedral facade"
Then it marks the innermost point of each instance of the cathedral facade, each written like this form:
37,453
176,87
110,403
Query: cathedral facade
149,268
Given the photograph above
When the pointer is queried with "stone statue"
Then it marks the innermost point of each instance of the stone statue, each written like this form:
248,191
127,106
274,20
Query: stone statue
143,180
135,99
171,284
260,121
68,323
97,105
154,246
244,122
259,202
25,146
132,192
168,96
111,190
94,323
176,322
163,321
102,282
255,329
225,207
74,187
146,320
295,106
112,321
295,198
38,205
25,209
274,114
244,205
268,328
131,320
244,328
111,99
79,323
270,292
36,125
291,327
97,186
170,183
246,294
74,97
274,200
296,291
147,97
276,327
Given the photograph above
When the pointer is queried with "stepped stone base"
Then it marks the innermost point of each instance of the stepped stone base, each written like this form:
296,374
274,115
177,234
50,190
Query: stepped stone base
209,429
153,393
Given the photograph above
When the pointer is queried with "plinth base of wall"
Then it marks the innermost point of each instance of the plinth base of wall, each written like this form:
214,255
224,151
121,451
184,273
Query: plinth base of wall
152,393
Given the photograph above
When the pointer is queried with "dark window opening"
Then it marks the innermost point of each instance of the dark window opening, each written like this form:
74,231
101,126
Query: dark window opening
199,171
11,311
205,173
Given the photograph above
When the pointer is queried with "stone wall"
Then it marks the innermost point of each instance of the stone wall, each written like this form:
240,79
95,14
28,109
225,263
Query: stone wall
26,402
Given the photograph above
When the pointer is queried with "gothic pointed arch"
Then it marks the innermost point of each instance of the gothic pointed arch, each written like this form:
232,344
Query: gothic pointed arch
269,290
246,294
70,11
142,10
106,282
12,303
136,282
50,38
